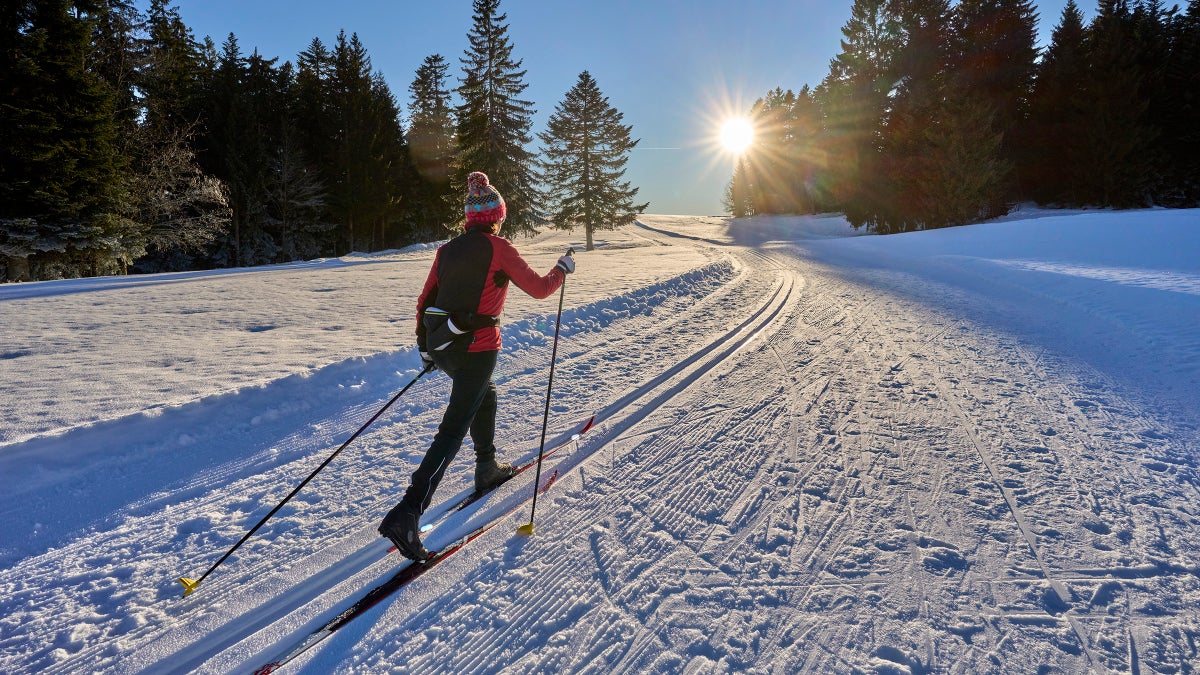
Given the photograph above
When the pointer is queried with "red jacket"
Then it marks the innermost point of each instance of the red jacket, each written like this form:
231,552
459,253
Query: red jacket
470,273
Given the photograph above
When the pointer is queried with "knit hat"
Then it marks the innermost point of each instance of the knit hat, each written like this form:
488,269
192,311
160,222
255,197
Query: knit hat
484,204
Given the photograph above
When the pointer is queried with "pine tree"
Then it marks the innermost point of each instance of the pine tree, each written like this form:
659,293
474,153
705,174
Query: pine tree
493,122
585,148
432,142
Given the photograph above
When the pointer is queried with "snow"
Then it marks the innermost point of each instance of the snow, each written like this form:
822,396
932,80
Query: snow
971,449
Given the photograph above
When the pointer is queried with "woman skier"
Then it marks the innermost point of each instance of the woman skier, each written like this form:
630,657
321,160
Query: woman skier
458,332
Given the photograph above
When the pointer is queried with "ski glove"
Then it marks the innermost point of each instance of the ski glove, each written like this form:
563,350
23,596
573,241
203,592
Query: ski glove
427,361
566,264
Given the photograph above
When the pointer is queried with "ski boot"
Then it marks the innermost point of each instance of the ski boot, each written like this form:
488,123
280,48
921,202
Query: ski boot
403,526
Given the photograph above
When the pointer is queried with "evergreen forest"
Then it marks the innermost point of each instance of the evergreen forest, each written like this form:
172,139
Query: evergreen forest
937,114
129,146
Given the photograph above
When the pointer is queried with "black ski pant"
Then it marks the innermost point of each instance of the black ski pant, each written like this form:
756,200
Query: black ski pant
472,408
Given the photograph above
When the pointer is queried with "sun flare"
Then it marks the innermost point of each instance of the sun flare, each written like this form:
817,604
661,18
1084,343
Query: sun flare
736,135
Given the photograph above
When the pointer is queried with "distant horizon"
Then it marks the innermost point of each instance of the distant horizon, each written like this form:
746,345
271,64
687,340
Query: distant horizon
679,70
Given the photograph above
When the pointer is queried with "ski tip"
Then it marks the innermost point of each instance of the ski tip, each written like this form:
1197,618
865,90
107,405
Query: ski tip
587,426
189,585
526,529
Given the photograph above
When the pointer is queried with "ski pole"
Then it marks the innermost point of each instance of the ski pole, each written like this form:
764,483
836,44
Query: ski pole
190,585
527,529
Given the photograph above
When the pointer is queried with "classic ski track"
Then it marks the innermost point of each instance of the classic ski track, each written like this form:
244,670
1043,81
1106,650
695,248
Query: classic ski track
836,507
674,379
217,590
744,530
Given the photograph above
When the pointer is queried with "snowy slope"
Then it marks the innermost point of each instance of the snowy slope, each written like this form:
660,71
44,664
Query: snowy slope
965,450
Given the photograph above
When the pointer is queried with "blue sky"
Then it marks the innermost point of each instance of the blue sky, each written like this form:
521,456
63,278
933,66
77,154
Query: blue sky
673,68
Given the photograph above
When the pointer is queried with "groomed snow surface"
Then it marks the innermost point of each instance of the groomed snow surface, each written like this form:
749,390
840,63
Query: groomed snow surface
968,450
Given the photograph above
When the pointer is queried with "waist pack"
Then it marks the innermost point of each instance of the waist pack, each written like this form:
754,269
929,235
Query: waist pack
453,331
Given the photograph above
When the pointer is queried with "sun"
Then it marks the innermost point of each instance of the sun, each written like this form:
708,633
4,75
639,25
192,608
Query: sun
736,135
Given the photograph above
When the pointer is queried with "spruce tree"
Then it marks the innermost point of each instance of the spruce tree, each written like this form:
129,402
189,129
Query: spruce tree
311,110
225,117
171,78
493,122
432,142
348,123
918,106
1181,123
1118,131
350,101
768,159
390,173
737,200
1054,164
1156,48
61,175
297,194
807,159
115,55
996,57
585,148
854,98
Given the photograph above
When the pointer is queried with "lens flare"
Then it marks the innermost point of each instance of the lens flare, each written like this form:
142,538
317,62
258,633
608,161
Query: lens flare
736,135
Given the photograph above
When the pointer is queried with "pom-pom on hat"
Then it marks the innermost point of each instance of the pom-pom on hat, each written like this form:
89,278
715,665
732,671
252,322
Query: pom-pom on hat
484,205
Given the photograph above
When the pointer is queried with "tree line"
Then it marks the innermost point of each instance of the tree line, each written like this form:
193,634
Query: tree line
933,116
126,144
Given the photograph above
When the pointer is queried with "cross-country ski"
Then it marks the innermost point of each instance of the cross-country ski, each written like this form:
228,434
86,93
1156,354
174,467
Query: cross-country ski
407,573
